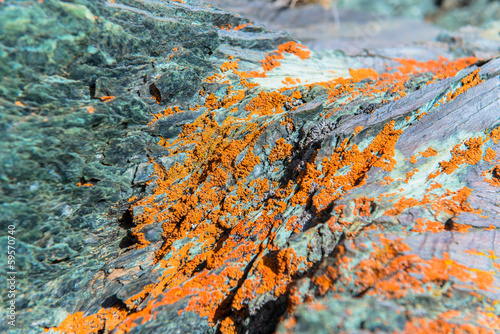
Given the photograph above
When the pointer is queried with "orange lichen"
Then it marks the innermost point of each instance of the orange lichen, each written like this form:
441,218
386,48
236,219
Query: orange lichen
232,97
461,228
294,48
495,135
332,111
419,117
80,184
430,152
410,174
441,68
238,27
267,103
388,273
287,123
425,225
324,282
358,130
227,326
450,322
435,185
231,65
490,254
391,82
471,155
456,204
272,59
219,249
441,270
363,73
489,155
316,306
211,102
468,82
107,98
363,206
379,153
281,151
166,112
495,176
403,204
290,81
387,181
391,272
274,274
78,324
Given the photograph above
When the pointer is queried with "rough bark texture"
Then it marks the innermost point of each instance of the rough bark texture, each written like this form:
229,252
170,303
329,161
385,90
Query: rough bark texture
172,168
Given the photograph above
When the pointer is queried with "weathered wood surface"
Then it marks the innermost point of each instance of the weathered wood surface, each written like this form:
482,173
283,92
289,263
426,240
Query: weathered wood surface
172,168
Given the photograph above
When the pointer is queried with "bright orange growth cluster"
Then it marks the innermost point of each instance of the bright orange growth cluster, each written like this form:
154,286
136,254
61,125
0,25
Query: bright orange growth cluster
430,152
232,97
468,82
77,324
390,82
272,59
442,269
490,155
238,27
387,181
84,184
281,151
107,98
273,274
379,153
451,203
363,206
449,322
495,135
363,73
291,81
296,49
472,155
441,68
166,112
495,176
425,225
410,174
389,272
268,103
